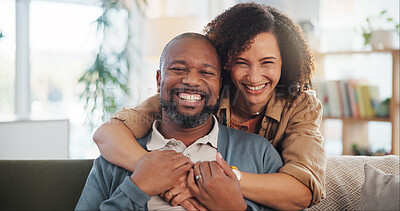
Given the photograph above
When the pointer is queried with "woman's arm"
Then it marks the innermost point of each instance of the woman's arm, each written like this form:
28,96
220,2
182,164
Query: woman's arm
300,182
118,145
278,191
116,138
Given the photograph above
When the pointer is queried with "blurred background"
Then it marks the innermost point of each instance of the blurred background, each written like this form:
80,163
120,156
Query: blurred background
66,66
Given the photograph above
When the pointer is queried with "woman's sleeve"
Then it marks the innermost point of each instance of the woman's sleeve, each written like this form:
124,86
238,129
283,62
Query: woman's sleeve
302,147
140,118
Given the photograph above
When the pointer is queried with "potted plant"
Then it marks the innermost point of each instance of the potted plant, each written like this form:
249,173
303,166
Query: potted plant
379,37
105,82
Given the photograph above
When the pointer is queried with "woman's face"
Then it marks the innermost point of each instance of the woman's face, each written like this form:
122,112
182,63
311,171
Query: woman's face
257,71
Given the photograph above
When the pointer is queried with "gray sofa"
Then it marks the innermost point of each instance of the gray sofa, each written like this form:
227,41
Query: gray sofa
42,184
57,184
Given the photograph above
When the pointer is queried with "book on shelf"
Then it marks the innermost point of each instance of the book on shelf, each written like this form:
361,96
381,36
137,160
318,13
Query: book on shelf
351,90
348,98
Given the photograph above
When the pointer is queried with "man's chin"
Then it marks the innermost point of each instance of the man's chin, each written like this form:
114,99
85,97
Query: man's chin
188,111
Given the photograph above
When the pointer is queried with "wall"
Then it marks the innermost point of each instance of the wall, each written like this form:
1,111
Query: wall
41,139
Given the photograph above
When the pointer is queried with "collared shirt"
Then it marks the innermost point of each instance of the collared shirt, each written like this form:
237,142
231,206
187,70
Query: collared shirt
109,187
291,127
203,149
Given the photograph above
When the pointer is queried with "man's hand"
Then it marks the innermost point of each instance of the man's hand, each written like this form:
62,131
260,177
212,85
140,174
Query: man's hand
192,204
218,187
159,170
178,193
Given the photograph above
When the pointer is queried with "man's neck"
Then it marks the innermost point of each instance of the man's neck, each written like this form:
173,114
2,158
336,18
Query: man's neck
188,136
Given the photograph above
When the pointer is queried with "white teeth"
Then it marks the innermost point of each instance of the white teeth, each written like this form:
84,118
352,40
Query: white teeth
255,88
190,97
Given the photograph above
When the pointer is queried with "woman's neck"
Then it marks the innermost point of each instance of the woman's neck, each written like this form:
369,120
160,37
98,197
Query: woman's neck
243,111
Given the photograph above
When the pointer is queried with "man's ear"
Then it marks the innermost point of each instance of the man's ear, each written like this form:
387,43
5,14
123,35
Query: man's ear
158,78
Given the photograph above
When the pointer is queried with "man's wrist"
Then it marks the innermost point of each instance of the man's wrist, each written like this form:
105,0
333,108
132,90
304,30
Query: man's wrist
140,185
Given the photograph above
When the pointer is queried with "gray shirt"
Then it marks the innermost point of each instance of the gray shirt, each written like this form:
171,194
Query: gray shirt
203,149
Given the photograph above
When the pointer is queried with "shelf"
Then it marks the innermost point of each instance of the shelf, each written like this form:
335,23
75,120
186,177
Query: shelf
355,130
375,119
358,52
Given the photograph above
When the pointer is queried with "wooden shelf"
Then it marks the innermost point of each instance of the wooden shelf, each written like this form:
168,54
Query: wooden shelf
357,52
361,119
355,130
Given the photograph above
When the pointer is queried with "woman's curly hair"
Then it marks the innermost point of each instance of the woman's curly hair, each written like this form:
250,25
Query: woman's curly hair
233,31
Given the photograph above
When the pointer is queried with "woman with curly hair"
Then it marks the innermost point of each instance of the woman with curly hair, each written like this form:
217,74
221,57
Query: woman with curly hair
266,90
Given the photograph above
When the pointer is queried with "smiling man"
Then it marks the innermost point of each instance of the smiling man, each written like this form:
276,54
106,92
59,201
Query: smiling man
188,81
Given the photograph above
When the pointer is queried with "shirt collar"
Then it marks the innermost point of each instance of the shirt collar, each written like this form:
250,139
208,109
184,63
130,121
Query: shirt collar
274,106
157,141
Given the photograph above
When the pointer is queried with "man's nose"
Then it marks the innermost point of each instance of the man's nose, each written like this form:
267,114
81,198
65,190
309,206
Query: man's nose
192,78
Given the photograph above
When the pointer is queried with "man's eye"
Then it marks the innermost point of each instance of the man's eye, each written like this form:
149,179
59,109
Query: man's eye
241,63
207,73
178,69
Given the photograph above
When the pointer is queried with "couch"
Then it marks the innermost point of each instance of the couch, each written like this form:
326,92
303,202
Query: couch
57,184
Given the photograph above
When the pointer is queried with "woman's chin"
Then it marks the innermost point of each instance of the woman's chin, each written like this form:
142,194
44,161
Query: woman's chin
258,100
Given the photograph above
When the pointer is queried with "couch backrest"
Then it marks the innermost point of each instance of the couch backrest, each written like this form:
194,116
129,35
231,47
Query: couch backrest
345,176
42,184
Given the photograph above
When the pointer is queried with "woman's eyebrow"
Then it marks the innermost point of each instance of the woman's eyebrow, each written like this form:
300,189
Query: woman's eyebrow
268,57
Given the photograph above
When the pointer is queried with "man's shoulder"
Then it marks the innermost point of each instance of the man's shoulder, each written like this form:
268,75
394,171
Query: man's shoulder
102,166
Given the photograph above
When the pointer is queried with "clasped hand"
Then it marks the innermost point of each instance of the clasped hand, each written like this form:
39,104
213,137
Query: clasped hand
217,189
172,176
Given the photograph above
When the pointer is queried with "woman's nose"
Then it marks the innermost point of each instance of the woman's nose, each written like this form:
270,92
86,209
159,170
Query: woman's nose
255,74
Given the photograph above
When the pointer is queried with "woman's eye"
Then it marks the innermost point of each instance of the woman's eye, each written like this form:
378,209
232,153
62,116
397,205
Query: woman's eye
267,62
241,63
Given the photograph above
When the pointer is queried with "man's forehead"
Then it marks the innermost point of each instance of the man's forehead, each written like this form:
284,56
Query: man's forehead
189,46
189,42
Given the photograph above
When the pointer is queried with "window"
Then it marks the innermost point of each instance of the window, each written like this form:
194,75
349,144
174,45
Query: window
62,44
7,57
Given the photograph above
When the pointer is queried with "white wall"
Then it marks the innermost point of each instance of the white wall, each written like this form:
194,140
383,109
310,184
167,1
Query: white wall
27,139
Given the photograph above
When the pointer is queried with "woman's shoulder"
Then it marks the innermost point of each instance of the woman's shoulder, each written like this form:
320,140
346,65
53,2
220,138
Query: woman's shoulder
307,98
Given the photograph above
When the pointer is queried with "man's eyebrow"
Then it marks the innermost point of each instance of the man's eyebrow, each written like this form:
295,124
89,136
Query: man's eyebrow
210,66
177,62
183,62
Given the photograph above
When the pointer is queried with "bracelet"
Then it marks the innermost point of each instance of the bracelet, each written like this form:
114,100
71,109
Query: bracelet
237,172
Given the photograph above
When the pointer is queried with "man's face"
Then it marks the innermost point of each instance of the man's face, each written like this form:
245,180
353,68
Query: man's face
189,81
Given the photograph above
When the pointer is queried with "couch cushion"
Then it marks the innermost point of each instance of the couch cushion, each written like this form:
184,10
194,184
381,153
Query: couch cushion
380,191
345,176
42,184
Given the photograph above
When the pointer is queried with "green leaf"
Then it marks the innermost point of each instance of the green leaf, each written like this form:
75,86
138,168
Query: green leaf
383,12
1,34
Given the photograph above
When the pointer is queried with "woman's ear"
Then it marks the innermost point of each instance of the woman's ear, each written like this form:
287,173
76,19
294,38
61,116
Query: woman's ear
158,78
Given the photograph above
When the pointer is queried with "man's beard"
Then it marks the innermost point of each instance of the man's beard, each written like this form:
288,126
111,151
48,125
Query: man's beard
183,120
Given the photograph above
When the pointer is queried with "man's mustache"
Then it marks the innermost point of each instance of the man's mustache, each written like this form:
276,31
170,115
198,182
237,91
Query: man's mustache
203,93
